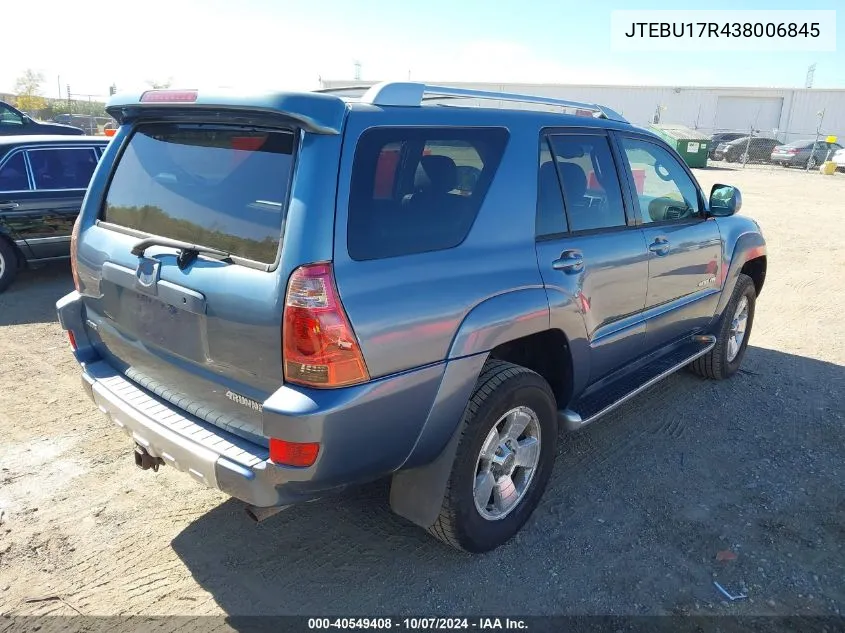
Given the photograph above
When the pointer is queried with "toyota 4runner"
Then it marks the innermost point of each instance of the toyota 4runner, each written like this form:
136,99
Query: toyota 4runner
289,293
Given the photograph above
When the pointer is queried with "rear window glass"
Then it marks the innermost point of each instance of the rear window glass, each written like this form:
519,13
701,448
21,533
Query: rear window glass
418,189
218,186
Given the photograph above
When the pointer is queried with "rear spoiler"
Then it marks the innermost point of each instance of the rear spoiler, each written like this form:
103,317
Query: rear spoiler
315,112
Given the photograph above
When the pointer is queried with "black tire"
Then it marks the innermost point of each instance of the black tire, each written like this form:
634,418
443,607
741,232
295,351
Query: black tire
8,264
501,387
730,158
715,363
812,163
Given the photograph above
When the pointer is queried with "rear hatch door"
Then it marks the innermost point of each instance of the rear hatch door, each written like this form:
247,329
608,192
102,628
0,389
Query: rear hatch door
199,327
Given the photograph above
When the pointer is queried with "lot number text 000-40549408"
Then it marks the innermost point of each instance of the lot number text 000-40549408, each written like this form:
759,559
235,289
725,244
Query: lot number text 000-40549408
418,623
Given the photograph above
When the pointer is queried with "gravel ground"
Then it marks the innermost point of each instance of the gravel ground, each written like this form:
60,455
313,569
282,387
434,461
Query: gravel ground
638,509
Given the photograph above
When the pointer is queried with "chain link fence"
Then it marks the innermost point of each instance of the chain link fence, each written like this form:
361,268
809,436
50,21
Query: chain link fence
738,149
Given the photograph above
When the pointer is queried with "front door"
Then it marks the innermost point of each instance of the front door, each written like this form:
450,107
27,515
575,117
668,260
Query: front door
592,257
684,247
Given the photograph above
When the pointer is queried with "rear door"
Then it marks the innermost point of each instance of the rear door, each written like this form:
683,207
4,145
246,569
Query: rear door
589,247
200,330
60,176
684,247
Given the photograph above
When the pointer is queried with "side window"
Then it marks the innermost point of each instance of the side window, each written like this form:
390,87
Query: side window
551,218
13,174
62,168
415,190
8,117
590,183
664,190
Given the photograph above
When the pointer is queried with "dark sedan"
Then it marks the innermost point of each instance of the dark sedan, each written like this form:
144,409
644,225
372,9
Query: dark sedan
746,150
13,122
722,137
42,182
809,154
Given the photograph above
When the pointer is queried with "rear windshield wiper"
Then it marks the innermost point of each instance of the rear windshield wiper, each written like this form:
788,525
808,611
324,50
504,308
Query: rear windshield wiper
187,252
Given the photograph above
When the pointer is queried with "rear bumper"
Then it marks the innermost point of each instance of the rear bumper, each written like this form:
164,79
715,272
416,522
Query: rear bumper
365,431
210,455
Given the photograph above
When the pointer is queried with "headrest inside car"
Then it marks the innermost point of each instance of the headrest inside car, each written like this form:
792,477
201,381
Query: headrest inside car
569,150
436,174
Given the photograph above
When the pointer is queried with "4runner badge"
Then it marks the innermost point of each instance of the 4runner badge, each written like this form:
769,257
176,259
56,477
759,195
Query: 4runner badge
706,282
252,404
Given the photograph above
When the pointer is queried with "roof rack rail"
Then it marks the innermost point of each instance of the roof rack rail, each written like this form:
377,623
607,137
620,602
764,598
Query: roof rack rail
401,93
361,88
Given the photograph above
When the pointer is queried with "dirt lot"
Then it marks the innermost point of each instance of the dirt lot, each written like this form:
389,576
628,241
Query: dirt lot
636,512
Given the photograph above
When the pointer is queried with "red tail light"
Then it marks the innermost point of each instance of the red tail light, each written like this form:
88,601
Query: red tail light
319,348
72,339
293,453
74,241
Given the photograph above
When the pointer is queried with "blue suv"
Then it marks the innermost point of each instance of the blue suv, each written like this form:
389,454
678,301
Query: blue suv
286,294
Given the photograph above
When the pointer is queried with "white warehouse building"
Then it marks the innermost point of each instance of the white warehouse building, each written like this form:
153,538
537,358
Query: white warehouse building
788,114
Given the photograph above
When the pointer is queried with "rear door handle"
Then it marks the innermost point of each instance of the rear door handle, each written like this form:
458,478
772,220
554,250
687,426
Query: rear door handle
570,262
7,206
660,246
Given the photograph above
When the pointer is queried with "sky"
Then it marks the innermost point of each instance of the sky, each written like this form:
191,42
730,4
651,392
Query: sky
289,44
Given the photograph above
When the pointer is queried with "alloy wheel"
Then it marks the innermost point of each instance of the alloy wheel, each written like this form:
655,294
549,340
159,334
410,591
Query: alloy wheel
507,463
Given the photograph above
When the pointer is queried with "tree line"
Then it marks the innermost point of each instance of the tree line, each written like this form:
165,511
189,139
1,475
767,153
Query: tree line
29,98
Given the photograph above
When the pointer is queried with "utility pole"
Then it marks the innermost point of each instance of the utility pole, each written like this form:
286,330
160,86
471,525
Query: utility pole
811,72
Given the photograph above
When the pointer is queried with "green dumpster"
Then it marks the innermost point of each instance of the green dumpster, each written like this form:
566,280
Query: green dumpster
691,144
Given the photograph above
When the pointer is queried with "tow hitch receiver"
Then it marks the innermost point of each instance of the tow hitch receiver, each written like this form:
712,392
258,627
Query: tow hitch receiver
145,461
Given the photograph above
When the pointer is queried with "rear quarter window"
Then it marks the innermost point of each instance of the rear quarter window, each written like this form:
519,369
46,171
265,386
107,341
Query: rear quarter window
215,185
416,190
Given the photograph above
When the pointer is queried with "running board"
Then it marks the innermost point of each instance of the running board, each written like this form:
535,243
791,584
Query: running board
594,405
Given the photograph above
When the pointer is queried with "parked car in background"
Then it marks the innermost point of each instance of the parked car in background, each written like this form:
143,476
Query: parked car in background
802,154
722,137
91,125
42,183
288,295
14,122
839,159
746,150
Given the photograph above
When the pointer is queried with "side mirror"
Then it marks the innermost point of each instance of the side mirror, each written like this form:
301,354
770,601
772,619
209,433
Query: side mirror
26,119
724,201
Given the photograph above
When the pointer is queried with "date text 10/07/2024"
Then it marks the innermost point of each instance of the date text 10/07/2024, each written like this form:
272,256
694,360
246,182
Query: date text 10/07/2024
418,624
726,29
